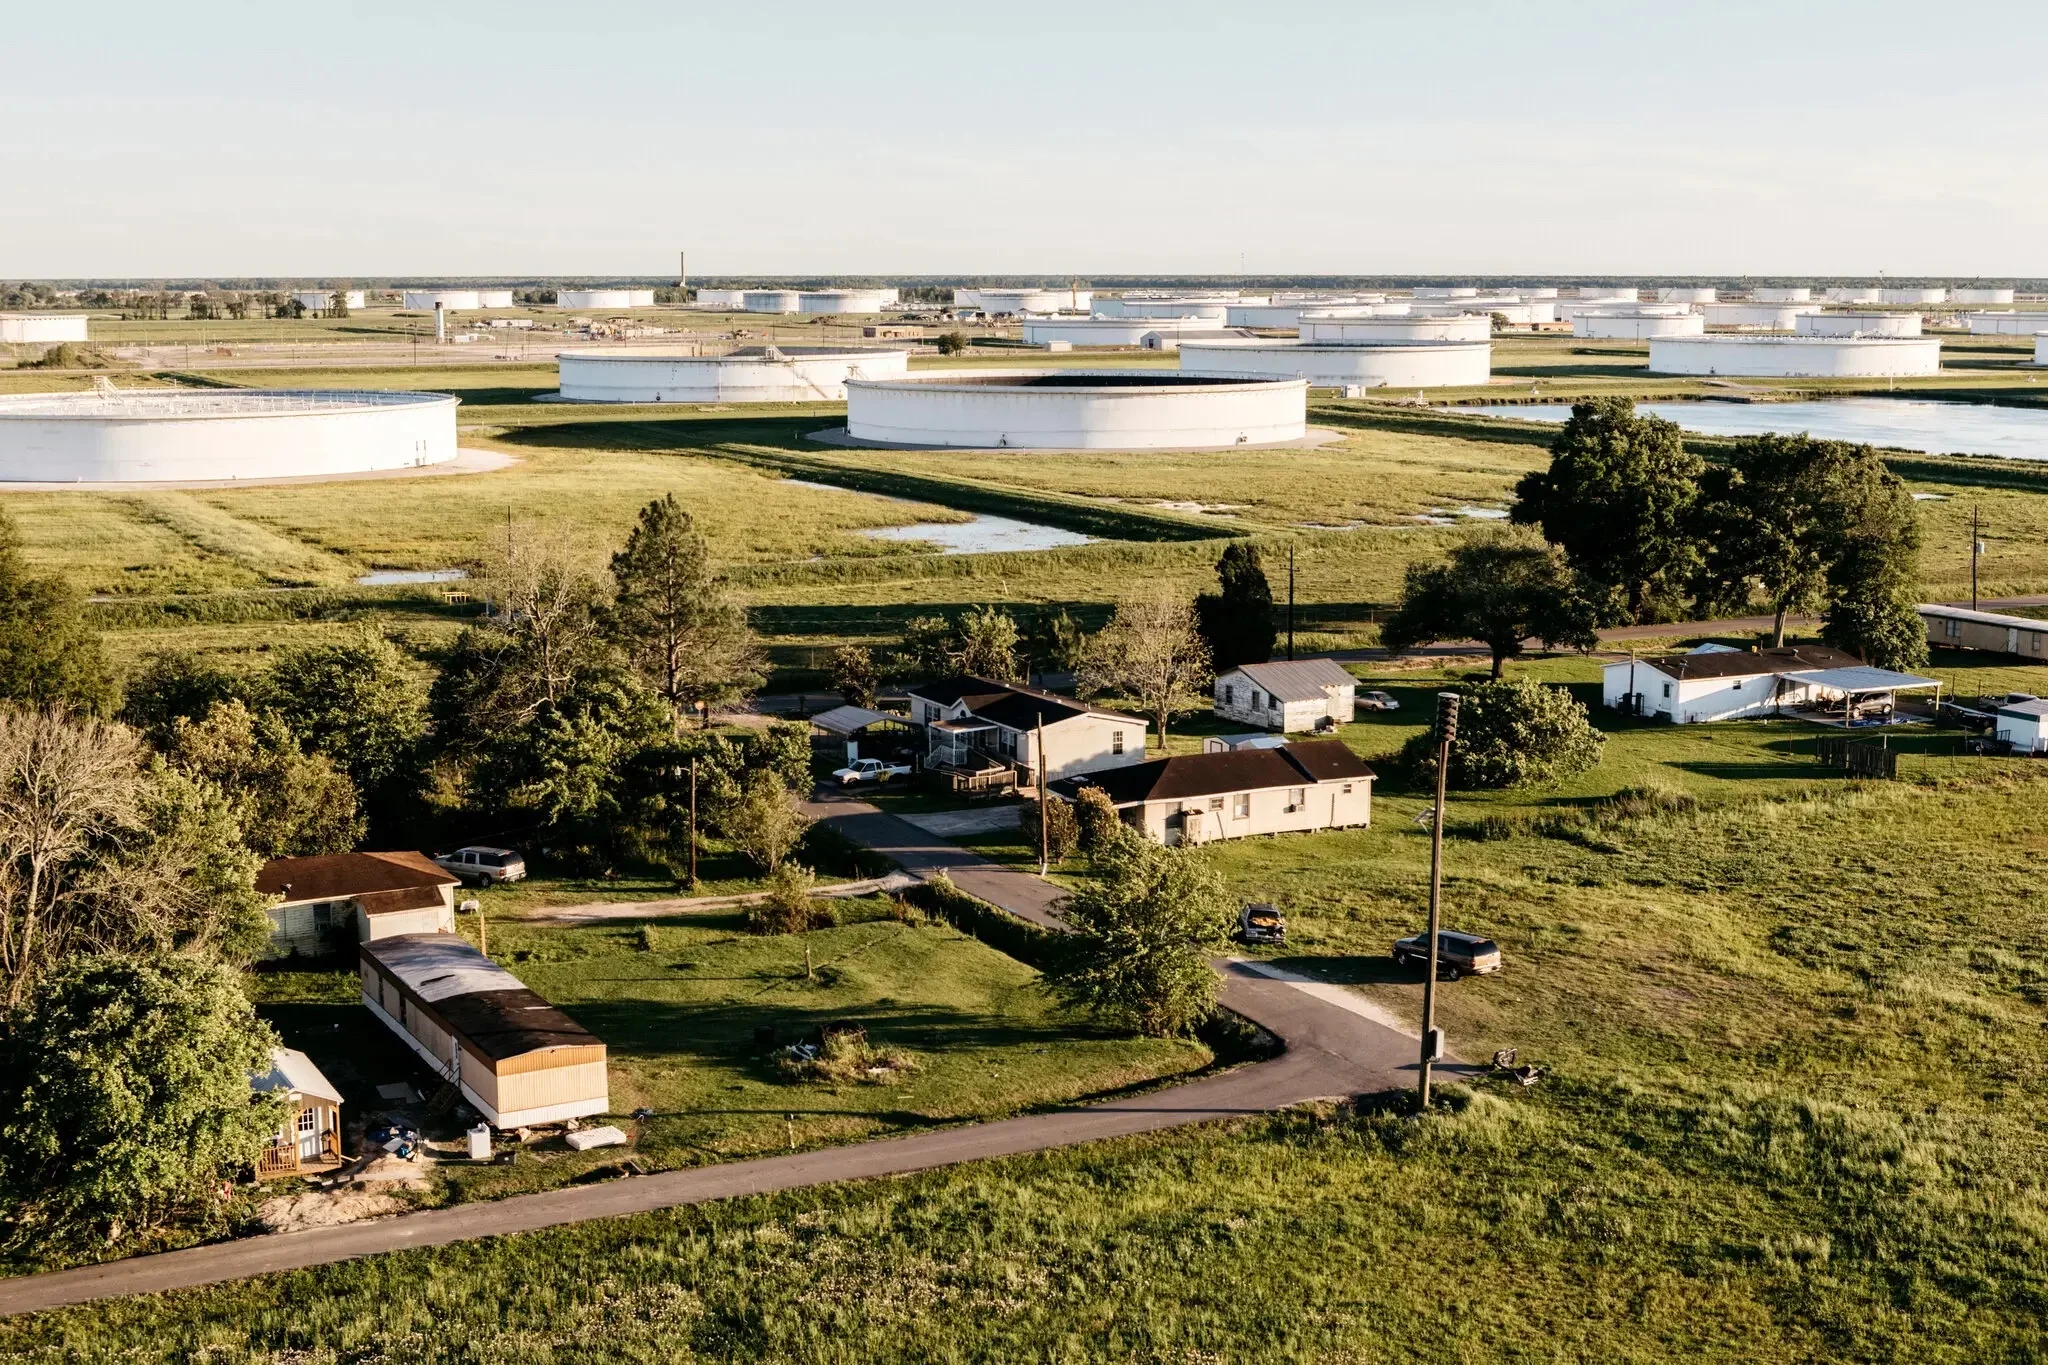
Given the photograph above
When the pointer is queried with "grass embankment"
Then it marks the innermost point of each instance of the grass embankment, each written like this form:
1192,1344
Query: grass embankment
1795,1116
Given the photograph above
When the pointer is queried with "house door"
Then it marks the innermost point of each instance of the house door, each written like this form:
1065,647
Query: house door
2012,640
309,1134
1176,827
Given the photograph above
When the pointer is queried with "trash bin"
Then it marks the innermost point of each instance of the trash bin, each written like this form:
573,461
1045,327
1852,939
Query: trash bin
480,1142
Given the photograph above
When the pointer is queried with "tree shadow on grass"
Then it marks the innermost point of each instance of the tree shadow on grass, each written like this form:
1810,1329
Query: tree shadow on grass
1354,969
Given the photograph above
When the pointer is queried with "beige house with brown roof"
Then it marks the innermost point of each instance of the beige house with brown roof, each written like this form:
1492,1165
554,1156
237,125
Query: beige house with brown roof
1313,784
335,898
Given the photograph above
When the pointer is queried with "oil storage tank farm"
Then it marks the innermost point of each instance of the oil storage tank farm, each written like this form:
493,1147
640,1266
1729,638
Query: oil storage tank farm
1913,294
1781,293
1075,331
1980,296
1769,317
753,374
1014,302
2008,323
1686,294
1074,410
502,298
1346,365
1796,356
842,301
1856,293
177,435
768,301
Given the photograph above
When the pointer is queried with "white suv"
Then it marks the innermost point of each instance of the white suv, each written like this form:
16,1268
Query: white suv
481,866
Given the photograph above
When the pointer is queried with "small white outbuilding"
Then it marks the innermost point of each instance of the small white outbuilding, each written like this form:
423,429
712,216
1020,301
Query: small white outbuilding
1287,695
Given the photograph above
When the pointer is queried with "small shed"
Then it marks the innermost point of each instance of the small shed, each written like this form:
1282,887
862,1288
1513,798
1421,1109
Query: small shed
310,1137
2024,725
354,896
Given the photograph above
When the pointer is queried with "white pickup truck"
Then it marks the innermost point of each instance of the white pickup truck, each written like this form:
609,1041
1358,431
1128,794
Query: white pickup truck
870,770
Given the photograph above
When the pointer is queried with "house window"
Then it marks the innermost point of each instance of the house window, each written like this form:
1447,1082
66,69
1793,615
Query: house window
1297,797
305,1120
1006,742
1116,741
1738,685
931,712
1216,803
1257,704
1667,691
1347,789
1229,695
1952,628
1241,806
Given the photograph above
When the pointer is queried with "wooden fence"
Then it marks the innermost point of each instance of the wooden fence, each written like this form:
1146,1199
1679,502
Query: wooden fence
1858,759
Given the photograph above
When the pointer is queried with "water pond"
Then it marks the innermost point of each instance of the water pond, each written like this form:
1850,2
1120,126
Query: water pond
386,578
1903,423
980,534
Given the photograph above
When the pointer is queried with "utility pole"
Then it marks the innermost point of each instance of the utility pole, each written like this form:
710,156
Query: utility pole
1976,549
1290,604
1446,731
1038,762
693,824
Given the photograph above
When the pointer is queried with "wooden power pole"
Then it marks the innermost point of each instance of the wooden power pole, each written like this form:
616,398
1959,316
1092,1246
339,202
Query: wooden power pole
693,824
1446,731
1290,604
1038,762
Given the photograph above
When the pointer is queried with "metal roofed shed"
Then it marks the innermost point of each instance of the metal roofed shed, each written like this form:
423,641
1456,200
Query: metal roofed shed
2023,725
1300,694
516,1058
850,720
353,896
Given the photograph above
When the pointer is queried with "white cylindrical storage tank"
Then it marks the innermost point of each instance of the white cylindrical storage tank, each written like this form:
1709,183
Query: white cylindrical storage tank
1770,317
768,300
2041,348
320,300
1537,291
1013,301
1368,365
576,299
1856,294
448,300
1465,327
1914,294
1217,311
1444,291
148,435
1043,331
1288,314
1636,324
729,300
2014,323
1781,293
840,301
1074,410
1980,296
753,374
502,298
1848,324
1796,357
42,328
1607,293
1511,311
1685,294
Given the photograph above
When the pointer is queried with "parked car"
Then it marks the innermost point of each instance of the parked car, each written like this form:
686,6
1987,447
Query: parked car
478,865
1456,954
870,770
1261,924
1377,701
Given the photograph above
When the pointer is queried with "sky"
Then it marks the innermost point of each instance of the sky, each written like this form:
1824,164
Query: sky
446,137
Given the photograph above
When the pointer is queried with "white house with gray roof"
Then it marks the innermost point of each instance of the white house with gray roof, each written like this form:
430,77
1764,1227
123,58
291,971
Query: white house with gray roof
1302,694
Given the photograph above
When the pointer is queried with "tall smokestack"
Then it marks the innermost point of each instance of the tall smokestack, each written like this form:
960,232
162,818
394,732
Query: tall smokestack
440,322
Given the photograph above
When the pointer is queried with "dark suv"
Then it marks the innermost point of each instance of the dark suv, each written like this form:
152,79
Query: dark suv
1456,954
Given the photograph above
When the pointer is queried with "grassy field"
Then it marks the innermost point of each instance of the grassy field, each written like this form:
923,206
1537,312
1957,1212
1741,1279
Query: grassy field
677,1001
1798,1037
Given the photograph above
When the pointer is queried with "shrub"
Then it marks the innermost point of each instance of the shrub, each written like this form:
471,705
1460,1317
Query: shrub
952,343
764,823
790,908
856,675
1062,830
845,1056
1512,734
1096,816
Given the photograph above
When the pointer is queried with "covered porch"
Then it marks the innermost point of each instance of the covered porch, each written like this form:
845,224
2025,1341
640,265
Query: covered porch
963,756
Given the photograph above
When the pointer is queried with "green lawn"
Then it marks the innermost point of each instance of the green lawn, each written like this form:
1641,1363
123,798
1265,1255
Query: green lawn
677,1002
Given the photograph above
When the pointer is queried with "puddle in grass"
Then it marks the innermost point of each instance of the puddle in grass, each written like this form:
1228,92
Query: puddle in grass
386,578
980,534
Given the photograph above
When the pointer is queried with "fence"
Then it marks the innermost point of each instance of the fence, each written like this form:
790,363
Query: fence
1857,759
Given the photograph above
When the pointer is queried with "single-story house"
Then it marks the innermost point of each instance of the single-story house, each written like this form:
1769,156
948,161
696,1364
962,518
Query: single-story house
366,895
1961,628
2024,725
517,1059
310,1137
1291,695
971,723
1195,798
1717,683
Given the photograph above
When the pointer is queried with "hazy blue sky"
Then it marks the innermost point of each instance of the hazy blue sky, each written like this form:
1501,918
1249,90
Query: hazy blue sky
784,136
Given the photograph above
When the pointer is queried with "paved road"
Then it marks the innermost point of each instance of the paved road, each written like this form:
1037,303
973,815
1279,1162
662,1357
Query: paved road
1331,1052
1022,894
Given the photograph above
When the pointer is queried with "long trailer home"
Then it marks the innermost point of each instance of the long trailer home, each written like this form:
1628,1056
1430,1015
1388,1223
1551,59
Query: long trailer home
517,1059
